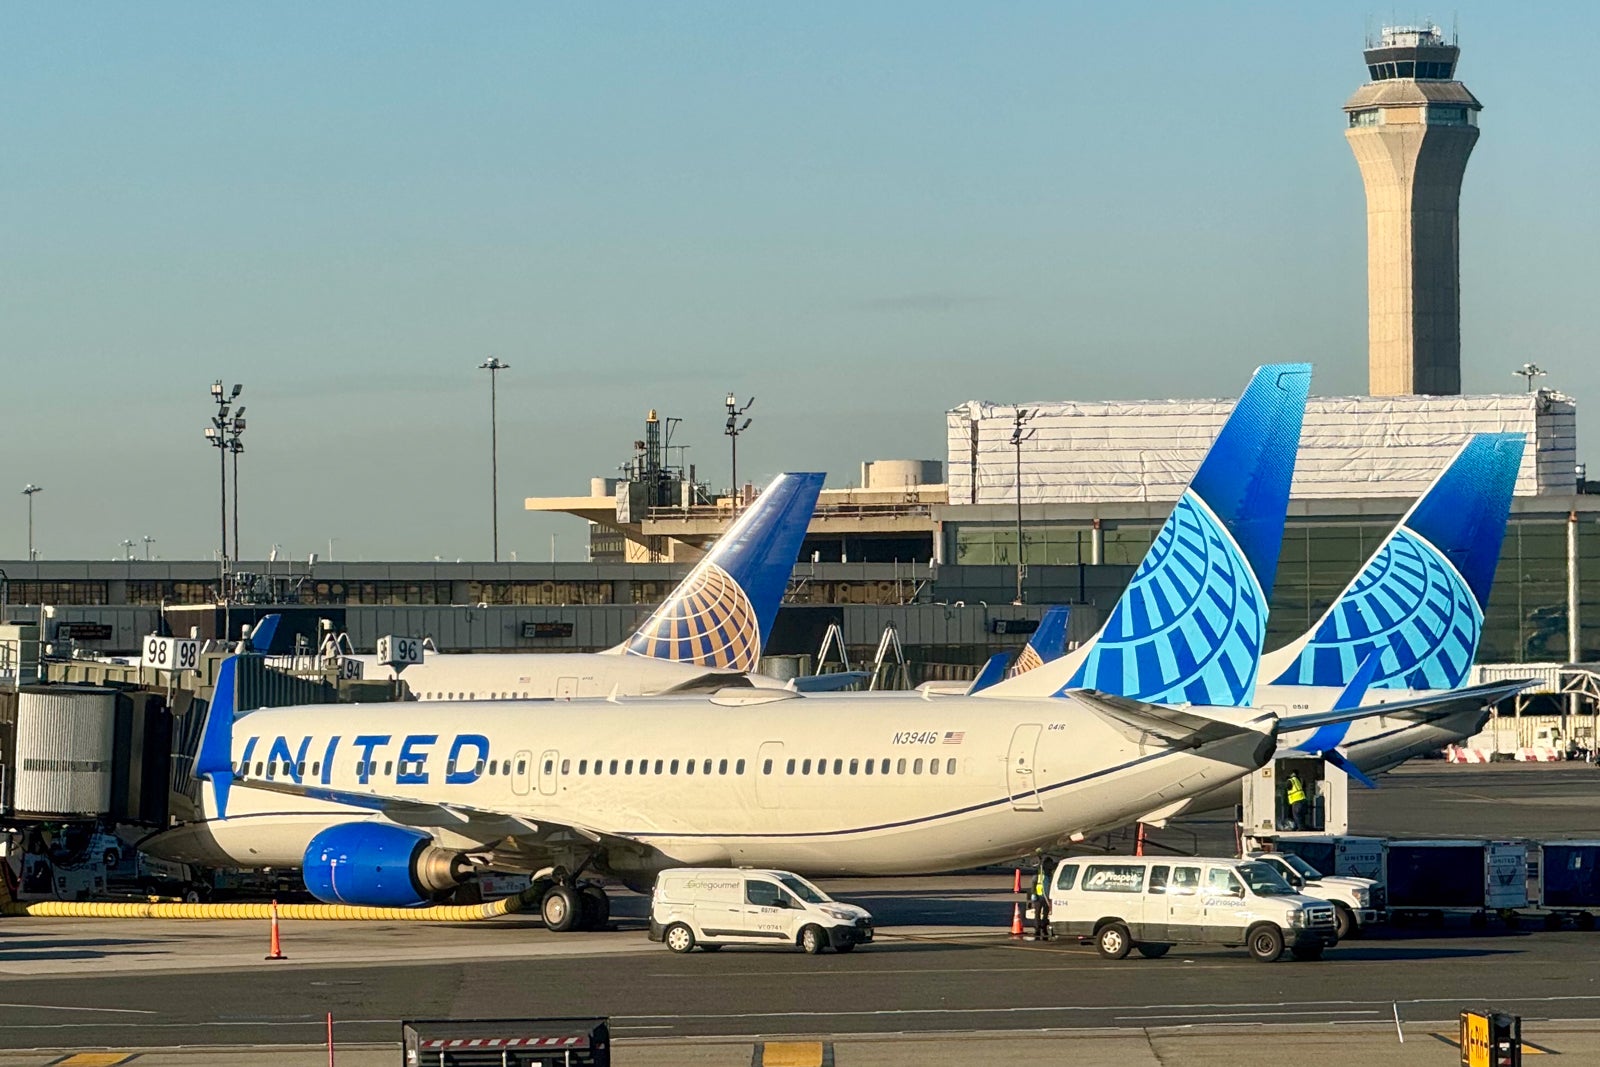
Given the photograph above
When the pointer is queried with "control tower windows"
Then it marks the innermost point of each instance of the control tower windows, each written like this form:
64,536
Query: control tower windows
1370,117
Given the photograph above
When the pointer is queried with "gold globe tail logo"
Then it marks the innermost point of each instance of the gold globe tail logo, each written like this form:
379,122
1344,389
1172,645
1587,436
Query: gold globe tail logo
1026,662
709,622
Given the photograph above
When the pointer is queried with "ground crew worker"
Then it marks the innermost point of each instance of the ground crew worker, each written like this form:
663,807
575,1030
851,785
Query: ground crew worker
1041,901
1296,796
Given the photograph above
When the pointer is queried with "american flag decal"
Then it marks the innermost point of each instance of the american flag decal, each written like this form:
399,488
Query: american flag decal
954,737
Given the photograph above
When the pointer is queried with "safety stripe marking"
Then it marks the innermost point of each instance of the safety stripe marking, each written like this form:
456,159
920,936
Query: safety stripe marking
792,1054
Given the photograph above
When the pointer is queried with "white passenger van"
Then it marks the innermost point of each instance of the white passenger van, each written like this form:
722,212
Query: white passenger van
714,906
1124,903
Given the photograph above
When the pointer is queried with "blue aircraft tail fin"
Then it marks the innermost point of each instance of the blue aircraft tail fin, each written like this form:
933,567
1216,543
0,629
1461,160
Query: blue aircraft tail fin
1418,603
1048,643
262,633
1189,627
721,614
214,758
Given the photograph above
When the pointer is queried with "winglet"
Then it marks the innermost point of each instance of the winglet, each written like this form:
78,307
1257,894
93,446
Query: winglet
722,613
1338,759
992,672
262,633
214,760
1356,691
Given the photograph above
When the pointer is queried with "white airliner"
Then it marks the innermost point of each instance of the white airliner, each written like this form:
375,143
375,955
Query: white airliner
391,804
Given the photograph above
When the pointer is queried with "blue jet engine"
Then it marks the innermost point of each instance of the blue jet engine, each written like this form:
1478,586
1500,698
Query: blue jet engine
379,865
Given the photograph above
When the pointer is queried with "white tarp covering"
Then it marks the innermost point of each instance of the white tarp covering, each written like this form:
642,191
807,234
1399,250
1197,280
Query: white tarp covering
1351,446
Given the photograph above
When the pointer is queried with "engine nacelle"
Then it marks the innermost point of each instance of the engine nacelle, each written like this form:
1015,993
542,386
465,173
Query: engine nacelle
379,865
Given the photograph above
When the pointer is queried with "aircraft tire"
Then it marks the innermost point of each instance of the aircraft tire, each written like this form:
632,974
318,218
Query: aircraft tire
596,907
561,909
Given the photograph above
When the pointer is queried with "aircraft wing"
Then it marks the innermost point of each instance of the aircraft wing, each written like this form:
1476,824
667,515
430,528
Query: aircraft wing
1178,727
480,826
1419,709
828,683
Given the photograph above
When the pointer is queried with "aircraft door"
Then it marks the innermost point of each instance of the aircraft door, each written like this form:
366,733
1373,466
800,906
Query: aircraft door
769,765
521,771
549,763
1020,767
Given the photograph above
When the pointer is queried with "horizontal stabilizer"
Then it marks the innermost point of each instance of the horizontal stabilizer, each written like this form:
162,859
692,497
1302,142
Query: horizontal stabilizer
828,683
1177,727
992,672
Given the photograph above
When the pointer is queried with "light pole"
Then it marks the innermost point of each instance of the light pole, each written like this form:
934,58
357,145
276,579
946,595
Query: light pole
494,366
148,541
127,549
235,446
1528,372
217,437
28,491
733,429
1019,434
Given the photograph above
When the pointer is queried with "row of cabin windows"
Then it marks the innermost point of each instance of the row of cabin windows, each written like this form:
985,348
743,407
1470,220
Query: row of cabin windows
662,766
368,768
474,696
865,767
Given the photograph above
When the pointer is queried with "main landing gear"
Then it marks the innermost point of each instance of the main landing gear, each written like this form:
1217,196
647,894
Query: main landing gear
566,904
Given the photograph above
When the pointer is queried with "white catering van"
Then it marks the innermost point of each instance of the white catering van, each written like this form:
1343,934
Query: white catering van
1124,903
714,906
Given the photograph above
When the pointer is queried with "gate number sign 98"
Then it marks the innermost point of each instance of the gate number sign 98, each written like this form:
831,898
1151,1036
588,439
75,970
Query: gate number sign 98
171,654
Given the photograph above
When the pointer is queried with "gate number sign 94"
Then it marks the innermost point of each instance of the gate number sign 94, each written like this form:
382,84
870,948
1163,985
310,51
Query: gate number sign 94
171,654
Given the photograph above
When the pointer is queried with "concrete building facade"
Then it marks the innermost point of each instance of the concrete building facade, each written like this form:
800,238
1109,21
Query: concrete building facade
1412,128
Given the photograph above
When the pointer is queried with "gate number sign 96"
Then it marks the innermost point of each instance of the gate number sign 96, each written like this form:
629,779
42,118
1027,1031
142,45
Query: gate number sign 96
399,650
171,654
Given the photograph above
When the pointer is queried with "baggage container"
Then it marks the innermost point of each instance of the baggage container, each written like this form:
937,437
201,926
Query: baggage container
1435,877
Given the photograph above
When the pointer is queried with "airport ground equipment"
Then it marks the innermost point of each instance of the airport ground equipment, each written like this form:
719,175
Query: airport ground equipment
1358,903
506,1042
1433,878
710,907
1564,877
1344,854
1490,1039
1128,903
1265,809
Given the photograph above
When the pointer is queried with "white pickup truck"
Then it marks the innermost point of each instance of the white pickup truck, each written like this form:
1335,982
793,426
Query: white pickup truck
1357,902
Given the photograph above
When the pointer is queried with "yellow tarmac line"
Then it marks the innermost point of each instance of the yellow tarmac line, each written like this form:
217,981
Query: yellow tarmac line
95,1059
792,1054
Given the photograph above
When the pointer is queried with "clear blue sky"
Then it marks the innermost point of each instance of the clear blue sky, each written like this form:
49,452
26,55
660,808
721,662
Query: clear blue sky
863,214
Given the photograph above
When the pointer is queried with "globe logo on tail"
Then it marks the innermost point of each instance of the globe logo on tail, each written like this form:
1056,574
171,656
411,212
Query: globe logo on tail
1411,605
709,622
1190,626
1027,661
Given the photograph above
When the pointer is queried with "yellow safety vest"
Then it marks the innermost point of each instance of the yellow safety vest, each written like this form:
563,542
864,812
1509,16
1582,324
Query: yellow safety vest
1038,883
1297,791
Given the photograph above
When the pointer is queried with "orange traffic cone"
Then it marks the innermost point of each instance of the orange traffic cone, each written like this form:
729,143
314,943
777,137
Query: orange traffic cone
275,951
1016,920
1016,880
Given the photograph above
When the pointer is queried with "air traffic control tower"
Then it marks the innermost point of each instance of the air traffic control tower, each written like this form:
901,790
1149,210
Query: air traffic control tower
1412,128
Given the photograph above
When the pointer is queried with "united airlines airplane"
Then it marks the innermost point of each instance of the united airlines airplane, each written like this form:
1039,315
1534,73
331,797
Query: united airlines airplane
741,582
393,804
